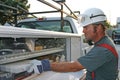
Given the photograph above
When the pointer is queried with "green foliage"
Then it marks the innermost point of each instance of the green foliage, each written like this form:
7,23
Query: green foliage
12,7
108,25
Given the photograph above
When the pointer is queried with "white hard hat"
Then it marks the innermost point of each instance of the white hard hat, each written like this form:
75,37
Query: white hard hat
92,15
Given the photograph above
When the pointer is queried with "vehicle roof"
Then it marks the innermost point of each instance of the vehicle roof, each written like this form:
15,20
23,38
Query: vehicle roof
45,18
116,31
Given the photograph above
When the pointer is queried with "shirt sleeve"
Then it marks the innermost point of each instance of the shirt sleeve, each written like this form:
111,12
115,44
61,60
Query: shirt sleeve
95,58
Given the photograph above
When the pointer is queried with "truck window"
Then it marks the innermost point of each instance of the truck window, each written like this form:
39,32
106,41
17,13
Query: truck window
51,25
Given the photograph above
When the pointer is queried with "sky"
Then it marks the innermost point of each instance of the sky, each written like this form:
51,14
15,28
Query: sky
109,7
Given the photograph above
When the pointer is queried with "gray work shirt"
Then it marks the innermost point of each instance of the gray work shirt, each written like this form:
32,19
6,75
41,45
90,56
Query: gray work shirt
100,60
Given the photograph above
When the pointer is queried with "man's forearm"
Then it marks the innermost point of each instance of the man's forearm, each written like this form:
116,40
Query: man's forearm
66,66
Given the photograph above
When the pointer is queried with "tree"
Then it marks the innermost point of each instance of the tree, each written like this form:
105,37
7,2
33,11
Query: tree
9,9
108,24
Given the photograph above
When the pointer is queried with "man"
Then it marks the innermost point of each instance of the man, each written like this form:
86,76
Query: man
101,62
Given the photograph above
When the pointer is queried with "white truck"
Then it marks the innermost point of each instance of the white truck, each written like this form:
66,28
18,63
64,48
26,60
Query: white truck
39,38
18,46
116,32
118,22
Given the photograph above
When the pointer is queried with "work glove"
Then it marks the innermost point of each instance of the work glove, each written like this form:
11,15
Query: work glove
39,66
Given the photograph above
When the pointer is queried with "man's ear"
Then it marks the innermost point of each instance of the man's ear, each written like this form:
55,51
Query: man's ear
98,29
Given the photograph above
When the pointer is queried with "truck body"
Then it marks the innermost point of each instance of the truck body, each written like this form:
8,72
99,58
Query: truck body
116,36
21,44
54,38
118,22
116,32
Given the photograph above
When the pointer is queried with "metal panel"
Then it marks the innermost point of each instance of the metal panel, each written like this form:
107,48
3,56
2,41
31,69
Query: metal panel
75,48
22,56
32,33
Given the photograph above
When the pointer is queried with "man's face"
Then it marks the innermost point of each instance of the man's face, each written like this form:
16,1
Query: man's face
90,33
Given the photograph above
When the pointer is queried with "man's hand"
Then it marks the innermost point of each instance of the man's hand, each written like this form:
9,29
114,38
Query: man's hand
39,66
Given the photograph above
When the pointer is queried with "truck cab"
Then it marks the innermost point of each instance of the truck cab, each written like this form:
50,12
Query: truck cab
70,25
